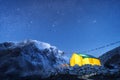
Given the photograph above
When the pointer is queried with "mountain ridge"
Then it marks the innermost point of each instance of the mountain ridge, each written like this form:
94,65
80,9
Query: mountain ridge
32,59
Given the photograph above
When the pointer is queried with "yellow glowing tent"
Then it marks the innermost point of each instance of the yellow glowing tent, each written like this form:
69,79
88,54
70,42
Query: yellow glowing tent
82,59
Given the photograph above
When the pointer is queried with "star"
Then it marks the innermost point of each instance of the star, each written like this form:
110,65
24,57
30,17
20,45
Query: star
94,21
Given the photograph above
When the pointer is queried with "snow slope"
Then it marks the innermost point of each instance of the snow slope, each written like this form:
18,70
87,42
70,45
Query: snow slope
29,58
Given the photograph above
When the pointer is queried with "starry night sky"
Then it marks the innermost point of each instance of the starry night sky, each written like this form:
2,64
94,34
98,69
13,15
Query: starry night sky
71,25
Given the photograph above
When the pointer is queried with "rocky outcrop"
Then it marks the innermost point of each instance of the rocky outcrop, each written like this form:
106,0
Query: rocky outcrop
111,61
111,58
30,58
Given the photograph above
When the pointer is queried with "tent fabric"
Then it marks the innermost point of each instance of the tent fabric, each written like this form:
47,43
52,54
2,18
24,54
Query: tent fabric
83,59
86,56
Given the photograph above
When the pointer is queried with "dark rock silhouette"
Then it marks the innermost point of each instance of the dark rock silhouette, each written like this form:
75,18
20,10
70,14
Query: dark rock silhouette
112,57
111,61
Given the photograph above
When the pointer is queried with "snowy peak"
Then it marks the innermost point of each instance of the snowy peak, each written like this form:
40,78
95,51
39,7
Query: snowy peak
30,57
28,43
40,45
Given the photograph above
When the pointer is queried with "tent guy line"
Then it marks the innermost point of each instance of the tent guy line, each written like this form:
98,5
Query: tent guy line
95,49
